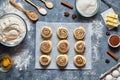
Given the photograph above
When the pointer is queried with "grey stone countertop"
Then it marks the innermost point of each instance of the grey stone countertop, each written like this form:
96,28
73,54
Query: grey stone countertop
24,54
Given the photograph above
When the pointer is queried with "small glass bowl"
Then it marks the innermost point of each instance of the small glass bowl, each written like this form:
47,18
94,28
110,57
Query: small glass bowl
90,15
19,17
111,44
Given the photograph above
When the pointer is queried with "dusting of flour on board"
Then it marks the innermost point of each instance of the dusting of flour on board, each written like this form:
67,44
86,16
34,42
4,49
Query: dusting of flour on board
97,28
22,59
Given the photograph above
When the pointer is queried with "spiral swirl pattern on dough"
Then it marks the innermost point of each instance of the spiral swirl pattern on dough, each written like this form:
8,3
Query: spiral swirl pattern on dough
79,61
45,60
46,32
62,32
80,46
62,60
79,33
46,46
63,46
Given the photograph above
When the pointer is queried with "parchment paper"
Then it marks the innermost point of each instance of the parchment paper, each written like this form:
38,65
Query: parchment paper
71,53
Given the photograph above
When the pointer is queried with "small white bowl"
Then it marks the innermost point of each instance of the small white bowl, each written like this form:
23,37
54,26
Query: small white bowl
110,43
88,15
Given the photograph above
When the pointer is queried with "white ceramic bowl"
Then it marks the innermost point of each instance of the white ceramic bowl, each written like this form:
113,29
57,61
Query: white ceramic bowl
110,43
88,15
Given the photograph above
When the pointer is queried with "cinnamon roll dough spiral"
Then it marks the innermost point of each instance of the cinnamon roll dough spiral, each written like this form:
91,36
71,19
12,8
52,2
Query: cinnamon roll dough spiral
46,32
63,46
79,33
62,32
45,60
62,61
46,46
79,61
79,46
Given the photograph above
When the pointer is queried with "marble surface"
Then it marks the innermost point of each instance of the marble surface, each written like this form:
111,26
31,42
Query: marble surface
24,54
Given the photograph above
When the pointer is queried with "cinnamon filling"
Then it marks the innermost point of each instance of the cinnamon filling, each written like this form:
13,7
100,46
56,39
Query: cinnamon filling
46,31
61,60
63,32
45,46
79,60
79,32
63,46
44,59
80,46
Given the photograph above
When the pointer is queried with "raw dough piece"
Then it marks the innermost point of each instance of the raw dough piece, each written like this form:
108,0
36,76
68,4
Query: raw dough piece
45,60
63,46
79,61
62,61
46,32
46,46
79,33
80,46
62,32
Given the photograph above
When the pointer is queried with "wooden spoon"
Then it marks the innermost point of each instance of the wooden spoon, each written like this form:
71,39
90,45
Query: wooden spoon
48,4
39,8
30,14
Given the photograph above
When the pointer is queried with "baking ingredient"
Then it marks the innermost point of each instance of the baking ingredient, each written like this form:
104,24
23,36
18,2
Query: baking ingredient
5,62
114,40
109,77
13,29
112,55
118,78
107,33
66,13
107,61
74,16
48,4
115,73
67,4
86,7
112,20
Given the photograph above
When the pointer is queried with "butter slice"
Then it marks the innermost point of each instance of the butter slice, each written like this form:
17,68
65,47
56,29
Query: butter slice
108,19
112,24
112,15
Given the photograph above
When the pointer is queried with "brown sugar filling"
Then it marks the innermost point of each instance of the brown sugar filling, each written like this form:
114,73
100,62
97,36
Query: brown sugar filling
44,59
80,46
63,32
46,31
61,60
79,60
45,46
63,46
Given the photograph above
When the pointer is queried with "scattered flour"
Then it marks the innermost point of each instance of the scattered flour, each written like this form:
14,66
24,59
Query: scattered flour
22,59
97,28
